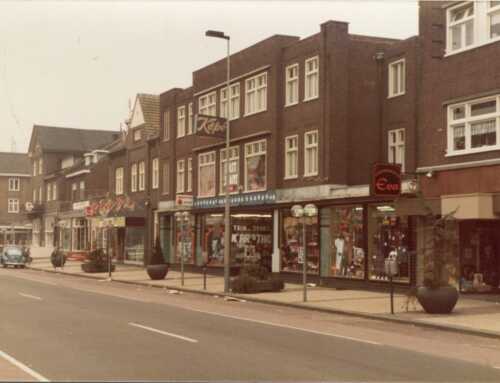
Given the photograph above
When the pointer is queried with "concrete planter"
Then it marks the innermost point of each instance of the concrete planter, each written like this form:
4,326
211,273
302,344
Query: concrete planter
441,300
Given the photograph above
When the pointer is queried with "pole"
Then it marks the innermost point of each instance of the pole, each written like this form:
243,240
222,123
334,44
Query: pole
227,212
205,276
183,249
392,294
304,264
109,253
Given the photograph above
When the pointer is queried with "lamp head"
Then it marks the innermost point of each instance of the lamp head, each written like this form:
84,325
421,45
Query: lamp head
217,34
297,211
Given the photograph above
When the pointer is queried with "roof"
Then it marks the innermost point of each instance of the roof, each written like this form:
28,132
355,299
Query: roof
59,139
150,105
14,163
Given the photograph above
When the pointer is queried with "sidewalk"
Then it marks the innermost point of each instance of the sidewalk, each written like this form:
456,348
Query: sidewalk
471,315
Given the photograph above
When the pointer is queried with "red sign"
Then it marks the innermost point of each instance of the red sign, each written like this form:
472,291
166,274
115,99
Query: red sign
386,180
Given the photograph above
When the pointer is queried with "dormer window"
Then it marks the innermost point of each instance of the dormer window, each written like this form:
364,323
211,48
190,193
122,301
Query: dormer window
137,134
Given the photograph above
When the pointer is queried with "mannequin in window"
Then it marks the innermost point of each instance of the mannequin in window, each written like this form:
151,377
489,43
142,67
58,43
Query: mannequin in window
339,254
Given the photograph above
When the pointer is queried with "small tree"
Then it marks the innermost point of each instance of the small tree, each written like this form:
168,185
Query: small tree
157,254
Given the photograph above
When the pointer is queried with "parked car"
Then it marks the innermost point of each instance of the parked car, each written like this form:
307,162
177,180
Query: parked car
13,256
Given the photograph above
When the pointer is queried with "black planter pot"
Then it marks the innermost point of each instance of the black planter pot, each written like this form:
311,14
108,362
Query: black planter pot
157,272
440,300
58,260
91,267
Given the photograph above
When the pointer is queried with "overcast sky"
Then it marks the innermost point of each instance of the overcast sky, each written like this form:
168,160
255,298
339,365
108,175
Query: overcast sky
78,63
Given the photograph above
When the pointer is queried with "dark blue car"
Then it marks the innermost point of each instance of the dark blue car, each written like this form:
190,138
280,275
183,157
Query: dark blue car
13,256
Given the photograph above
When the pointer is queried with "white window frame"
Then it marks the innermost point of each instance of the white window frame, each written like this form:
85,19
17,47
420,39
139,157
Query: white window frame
54,191
398,67
82,190
166,125
142,176
491,12
34,195
396,147
137,135
234,156
155,173
467,121
35,167
14,184
311,75
181,121
165,177
233,104
207,104
119,181
249,153
40,166
181,176
256,94
308,147
189,184
133,178
13,205
205,160
292,85
190,119
49,191
295,151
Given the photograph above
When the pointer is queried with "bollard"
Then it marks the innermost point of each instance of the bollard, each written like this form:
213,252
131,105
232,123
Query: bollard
204,277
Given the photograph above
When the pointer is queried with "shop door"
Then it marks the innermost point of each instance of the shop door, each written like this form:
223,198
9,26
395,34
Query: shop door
165,236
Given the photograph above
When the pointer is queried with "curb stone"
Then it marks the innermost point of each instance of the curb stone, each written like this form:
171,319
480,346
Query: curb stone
379,317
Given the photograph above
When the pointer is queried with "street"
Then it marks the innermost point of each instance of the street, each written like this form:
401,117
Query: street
67,328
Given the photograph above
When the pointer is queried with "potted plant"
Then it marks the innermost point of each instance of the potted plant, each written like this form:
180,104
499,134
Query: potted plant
255,278
57,258
437,295
157,268
98,262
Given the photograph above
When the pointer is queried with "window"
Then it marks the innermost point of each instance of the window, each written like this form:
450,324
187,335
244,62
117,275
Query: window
166,175
13,205
234,166
54,191
181,121
291,157
474,126
40,166
40,194
133,178
35,167
49,191
397,78
14,184
189,186
190,118
137,134
292,85
255,166
311,153
256,94
82,190
155,174
206,174
207,104
142,176
34,195
396,148
166,125
311,78
118,181
234,102
181,171
74,191
460,26
494,19
79,234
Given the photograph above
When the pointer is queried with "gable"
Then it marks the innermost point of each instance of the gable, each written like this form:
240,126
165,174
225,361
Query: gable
137,115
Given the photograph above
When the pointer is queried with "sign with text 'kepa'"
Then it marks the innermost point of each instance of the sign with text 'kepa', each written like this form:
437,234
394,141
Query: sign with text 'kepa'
210,126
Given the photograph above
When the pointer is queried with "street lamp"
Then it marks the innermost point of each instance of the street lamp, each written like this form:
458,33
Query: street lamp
183,218
309,210
227,216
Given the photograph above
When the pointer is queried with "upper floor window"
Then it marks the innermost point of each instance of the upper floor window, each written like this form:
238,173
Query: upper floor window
34,195
137,134
397,78
311,78
291,157
207,104
474,126
13,205
256,94
189,186
311,153
82,190
54,191
180,176
49,191
14,184
396,147
74,192
142,176
155,173
35,167
234,169
460,26
255,166
494,19
166,177
166,125
233,104
206,174
292,85
118,181
40,166
133,178
181,121
190,119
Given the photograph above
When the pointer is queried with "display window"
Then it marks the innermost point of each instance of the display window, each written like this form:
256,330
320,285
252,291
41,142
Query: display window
255,166
134,244
292,244
390,237
184,240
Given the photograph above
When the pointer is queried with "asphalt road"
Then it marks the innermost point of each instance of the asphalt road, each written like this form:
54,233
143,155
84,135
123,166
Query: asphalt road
73,332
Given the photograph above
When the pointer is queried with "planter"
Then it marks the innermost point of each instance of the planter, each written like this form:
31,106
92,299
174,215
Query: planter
250,285
440,300
157,272
91,267
58,260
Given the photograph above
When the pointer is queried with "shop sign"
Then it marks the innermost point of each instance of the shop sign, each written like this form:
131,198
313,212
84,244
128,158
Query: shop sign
184,200
81,205
386,180
247,199
113,221
112,207
210,126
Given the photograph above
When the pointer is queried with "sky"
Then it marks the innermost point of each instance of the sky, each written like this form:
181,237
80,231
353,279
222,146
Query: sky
80,63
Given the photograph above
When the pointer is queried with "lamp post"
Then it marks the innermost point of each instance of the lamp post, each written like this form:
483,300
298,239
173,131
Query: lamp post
227,216
309,210
183,218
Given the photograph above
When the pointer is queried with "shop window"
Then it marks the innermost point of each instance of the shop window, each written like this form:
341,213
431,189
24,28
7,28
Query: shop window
255,166
184,240
390,237
79,234
134,244
234,166
206,174
344,242
292,246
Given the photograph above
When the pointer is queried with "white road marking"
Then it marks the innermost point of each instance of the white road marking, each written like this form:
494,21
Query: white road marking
23,367
30,296
35,280
496,367
163,332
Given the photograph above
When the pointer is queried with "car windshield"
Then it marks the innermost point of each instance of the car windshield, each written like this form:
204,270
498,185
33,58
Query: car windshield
13,251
